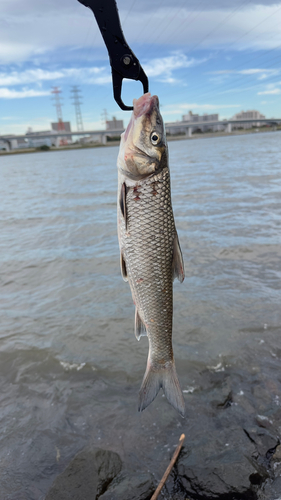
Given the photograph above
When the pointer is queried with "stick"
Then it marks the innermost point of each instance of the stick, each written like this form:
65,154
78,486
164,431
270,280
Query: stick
169,468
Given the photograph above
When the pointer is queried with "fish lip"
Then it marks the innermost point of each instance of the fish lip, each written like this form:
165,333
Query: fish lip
145,104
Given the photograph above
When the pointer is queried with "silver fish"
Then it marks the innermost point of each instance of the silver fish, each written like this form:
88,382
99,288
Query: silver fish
149,247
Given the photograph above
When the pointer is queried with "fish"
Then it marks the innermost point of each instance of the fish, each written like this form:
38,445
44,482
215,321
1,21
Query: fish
150,253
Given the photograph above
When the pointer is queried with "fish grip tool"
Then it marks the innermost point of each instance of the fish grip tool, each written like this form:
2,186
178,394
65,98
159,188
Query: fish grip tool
124,63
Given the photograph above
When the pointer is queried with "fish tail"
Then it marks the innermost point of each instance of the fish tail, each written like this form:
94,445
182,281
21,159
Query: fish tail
166,377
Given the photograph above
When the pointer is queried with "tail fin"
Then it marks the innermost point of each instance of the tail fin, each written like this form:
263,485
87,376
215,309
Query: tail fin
165,377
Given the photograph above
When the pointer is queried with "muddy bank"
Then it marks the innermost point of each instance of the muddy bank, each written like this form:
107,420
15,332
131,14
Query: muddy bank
231,451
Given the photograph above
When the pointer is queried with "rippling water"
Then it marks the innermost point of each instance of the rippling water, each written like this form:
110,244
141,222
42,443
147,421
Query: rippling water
70,366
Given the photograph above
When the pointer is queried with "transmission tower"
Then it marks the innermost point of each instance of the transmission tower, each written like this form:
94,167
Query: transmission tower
104,117
56,91
76,101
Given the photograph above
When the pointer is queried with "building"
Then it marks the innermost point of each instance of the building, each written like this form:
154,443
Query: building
203,123
247,115
114,124
63,127
35,141
190,117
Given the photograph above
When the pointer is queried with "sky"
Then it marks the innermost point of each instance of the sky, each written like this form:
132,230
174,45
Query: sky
219,57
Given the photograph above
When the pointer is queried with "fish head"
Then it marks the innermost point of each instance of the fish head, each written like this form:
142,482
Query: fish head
143,148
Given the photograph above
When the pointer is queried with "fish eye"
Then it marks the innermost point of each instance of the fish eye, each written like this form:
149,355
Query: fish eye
155,138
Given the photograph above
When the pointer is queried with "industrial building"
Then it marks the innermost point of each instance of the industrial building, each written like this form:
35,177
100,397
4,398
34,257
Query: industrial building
114,124
63,127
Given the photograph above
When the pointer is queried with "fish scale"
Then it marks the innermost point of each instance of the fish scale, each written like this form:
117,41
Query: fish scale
148,252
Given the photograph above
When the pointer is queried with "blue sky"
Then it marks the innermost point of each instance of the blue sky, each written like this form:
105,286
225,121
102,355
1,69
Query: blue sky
209,57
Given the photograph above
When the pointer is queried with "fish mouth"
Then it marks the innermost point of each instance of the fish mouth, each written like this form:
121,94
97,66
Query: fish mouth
145,104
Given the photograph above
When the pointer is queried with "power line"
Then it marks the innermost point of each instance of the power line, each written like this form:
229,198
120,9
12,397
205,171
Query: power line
128,13
246,62
170,20
252,29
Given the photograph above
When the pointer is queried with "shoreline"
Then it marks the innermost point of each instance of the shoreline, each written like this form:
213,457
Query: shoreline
207,135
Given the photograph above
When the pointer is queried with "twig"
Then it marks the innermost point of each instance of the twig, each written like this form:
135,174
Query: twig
169,468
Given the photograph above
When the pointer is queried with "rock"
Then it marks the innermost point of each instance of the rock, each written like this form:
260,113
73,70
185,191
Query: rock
277,454
264,441
271,491
219,471
87,476
134,487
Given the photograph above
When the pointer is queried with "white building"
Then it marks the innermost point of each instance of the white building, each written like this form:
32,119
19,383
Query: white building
35,141
205,122
190,117
247,115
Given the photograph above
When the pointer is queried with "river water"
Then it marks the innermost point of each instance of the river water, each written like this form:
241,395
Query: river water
70,366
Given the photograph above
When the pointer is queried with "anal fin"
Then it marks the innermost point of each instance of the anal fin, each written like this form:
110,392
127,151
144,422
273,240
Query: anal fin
140,329
177,266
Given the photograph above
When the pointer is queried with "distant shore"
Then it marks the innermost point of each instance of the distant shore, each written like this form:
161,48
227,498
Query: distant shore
170,138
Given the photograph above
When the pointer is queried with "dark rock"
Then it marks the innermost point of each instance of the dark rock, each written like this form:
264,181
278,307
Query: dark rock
271,490
219,471
136,487
264,441
87,476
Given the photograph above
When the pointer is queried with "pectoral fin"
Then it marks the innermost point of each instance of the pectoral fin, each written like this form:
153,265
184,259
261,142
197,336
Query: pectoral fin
123,267
122,202
177,266
140,329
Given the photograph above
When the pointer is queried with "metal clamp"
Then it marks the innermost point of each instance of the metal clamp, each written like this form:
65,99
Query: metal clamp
124,63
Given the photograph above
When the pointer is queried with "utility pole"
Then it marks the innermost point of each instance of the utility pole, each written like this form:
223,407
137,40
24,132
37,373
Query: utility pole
76,101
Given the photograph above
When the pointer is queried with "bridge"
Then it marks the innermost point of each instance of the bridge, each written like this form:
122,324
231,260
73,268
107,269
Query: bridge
188,126
8,139
172,127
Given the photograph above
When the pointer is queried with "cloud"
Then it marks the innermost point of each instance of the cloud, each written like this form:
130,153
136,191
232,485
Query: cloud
162,68
21,94
222,76
90,75
250,71
272,91
20,126
175,109
159,68
35,29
